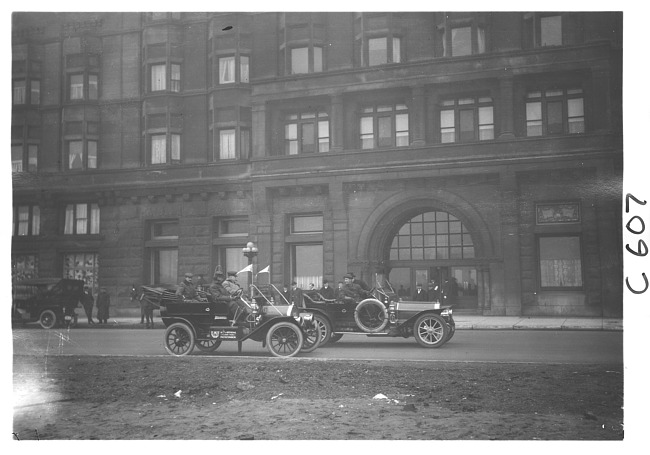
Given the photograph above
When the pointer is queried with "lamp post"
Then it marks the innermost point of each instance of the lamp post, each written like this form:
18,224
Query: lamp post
250,251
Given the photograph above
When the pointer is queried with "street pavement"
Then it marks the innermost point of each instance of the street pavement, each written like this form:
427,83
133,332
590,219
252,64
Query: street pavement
126,318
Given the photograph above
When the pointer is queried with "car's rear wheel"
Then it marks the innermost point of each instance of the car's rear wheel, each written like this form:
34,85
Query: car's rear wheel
371,315
430,331
324,328
311,338
284,339
179,339
47,319
207,345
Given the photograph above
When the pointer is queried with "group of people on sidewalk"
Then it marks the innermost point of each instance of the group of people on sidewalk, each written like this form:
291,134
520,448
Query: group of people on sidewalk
102,302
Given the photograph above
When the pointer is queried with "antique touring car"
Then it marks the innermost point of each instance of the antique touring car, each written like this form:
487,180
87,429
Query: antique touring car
382,313
204,324
50,301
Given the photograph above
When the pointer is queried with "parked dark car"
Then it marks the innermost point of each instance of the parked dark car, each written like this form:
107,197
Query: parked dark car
49,301
282,329
382,313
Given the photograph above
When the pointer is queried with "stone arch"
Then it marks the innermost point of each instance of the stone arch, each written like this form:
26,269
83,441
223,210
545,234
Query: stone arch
395,210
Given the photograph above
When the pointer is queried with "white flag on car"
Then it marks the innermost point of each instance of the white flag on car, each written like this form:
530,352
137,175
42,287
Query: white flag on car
248,268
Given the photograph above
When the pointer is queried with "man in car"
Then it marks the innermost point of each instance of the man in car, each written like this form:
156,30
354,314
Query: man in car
186,289
362,284
231,284
219,293
326,291
351,290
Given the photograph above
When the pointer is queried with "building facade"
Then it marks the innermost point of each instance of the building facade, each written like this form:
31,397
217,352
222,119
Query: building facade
480,151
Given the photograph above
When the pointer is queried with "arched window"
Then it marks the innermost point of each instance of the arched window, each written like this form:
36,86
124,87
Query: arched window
432,236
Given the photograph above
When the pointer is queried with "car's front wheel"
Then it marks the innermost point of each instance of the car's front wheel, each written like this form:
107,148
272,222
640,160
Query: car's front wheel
47,319
324,328
179,339
284,339
430,331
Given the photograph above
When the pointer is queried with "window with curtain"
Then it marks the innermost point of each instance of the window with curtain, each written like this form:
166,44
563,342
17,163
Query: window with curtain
176,78
560,262
75,155
81,219
227,70
158,149
307,265
35,92
92,154
382,50
227,146
465,39
19,91
24,267
176,148
76,86
158,78
93,87
27,220
299,60
244,68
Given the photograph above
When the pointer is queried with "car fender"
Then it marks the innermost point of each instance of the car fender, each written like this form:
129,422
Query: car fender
259,333
173,320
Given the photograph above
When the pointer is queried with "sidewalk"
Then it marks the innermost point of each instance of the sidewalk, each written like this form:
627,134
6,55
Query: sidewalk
129,318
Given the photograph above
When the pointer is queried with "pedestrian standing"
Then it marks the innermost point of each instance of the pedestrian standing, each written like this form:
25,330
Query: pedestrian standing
296,295
102,302
87,301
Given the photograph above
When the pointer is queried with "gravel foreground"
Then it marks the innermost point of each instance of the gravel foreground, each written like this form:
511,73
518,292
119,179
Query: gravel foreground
207,398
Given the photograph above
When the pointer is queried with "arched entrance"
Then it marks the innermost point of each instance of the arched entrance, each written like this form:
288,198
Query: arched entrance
435,249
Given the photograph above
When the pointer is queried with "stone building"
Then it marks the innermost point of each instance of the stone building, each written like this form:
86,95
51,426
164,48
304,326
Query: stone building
480,151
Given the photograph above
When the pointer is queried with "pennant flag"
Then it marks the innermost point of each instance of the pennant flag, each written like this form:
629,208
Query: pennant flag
248,268
265,270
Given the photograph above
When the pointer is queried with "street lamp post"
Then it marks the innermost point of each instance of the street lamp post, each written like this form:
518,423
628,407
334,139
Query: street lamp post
250,251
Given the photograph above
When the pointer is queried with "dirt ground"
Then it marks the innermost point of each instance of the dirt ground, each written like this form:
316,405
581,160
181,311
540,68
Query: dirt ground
207,398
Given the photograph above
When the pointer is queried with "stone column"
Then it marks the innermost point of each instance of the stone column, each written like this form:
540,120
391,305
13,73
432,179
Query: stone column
259,139
418,116
337,122
506,107
510,243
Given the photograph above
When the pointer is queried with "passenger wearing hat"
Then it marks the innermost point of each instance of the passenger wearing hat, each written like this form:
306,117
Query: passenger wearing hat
360,282
351,290
220,294
296,296
186,289
231,284
420,294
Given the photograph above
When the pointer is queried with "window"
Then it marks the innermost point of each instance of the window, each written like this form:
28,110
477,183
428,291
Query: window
232,227
27,220
560,262
19,91
24,158
158,78
77,84
81,219
555,111
82,266
35,92
24,267
463,37
466,120
75,155
176,78
307,265
228,69
384,126
160,153
306,132
550,29
306,224
380,52
432,236
307,59
227,149
162,251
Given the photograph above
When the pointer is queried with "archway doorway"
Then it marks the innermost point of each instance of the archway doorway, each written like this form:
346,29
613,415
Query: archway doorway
434,248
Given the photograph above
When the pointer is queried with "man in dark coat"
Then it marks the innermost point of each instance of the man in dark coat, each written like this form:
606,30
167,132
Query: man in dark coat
326,291
102,302
87,301
296,296
420,294
362,284
351,290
